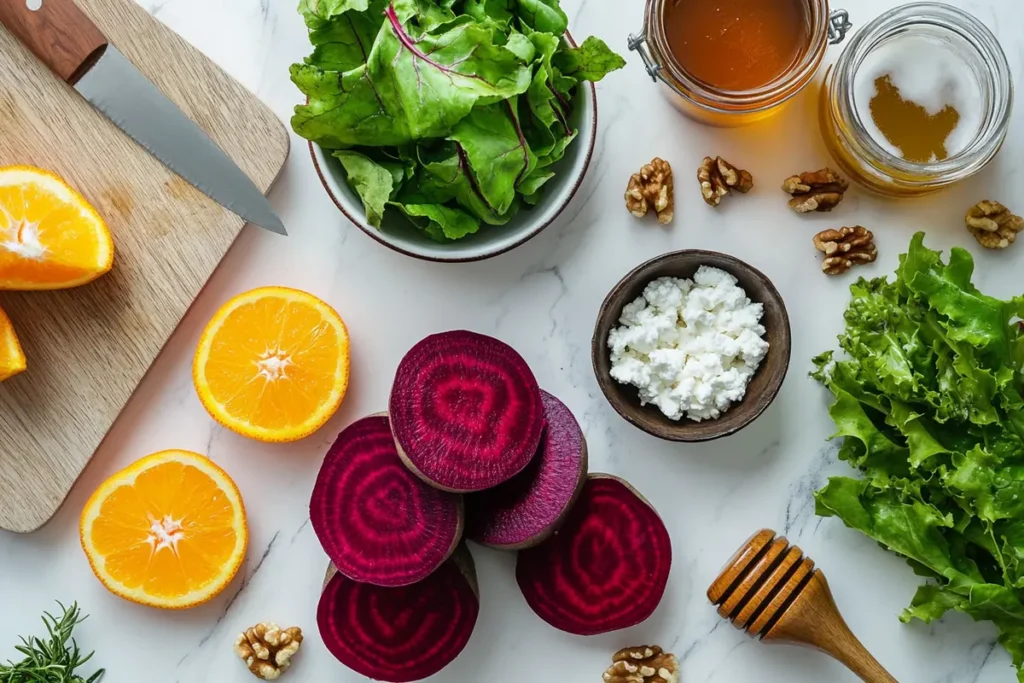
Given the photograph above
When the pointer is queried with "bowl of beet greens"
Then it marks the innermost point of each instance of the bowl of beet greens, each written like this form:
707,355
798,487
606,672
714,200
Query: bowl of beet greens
449,131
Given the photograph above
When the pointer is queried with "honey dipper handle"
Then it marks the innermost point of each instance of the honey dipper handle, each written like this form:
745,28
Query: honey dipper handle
813,619
845,648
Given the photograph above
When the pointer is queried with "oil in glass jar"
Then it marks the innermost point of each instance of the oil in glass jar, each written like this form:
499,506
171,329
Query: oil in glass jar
918,99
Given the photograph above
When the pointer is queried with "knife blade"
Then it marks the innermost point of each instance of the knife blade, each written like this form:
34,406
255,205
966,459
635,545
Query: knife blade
71,45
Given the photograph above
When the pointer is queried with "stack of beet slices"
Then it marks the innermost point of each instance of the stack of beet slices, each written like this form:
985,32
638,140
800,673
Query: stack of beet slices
471,446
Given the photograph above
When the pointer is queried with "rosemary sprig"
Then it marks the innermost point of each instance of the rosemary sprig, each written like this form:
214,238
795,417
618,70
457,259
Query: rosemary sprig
53,659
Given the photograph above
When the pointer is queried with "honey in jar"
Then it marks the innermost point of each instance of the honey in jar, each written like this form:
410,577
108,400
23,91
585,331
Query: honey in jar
737,45
733,62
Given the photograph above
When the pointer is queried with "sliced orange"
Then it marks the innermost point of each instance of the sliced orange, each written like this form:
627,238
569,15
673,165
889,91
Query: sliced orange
12,359
50,236
273,364
168,531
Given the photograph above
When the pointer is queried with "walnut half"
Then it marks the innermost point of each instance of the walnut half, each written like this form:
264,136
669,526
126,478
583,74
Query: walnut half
717,176
845,248
652,187
268,649
642,664
993,225
820,190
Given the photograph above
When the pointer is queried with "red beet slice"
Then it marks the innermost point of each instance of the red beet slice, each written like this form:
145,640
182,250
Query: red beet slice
466,411
526,509
401,634
377,521
607,567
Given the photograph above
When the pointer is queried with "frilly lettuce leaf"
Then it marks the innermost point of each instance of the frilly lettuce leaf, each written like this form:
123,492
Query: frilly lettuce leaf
928,399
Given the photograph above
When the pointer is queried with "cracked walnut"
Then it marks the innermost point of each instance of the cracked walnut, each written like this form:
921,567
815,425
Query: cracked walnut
717,177
820,190
845,248
651,188
993,225
268,649
642,664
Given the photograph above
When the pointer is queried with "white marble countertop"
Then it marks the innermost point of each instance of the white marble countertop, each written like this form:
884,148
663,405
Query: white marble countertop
542,298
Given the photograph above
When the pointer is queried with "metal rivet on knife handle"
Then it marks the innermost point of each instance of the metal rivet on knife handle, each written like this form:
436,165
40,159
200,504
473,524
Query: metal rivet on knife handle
57,32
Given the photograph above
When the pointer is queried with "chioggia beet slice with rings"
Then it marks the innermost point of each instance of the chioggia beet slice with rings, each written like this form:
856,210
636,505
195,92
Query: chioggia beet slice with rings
401,634
375,519
530,506
465,411
607,567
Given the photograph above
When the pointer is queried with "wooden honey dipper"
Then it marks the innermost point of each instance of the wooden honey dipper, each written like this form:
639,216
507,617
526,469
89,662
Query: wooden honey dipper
770,590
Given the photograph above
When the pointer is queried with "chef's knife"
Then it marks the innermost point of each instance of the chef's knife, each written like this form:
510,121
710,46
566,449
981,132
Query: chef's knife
71,45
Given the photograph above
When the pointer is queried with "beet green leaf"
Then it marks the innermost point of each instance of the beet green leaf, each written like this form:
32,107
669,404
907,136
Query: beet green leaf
455,112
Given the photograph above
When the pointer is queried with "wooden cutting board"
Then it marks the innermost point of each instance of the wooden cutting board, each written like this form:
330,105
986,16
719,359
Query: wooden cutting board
89,347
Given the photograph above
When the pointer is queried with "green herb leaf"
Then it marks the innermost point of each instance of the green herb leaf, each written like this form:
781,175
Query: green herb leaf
55,659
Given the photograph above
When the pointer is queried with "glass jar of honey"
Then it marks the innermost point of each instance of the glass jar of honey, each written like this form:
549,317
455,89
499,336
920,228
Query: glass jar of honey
920,99
732,62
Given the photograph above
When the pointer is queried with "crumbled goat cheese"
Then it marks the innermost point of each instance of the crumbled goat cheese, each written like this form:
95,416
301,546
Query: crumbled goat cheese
690,346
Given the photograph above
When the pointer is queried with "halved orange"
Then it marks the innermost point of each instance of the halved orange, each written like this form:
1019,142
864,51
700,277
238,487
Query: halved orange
168,531
273,364
12,359
50,236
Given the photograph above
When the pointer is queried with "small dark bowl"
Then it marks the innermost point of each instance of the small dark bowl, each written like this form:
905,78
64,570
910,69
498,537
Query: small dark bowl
761,391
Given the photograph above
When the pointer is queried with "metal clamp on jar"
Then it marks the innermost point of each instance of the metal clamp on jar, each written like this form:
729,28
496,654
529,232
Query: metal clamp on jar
729,64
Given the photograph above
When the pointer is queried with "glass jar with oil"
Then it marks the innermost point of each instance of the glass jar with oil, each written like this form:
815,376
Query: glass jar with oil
731,62
920,99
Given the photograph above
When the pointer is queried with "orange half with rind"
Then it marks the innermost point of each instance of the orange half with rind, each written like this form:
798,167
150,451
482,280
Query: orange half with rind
12,358
273,364
50,236
168,531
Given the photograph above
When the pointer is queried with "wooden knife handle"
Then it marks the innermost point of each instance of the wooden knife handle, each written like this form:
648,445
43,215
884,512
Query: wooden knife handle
57,32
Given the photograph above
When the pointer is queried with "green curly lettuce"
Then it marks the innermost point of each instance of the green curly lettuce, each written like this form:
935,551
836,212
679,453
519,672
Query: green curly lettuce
928,400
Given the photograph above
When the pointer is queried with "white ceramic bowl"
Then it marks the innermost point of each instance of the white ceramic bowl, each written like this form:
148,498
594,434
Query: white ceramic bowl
397,233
